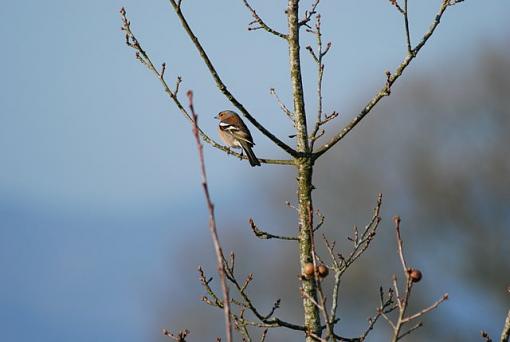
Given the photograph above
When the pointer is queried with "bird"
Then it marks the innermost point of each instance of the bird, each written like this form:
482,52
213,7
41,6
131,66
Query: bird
234,133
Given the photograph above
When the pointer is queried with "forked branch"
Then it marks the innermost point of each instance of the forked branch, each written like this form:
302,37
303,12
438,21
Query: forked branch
318,57
390,81
261,24
221,85
143,57
412,276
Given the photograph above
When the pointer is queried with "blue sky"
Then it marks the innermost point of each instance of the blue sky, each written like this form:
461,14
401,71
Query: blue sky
98,171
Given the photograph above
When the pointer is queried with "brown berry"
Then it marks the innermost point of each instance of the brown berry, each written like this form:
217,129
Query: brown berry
308,270
322,270
415,275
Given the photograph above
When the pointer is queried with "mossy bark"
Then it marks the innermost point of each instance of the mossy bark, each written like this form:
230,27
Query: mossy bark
304,165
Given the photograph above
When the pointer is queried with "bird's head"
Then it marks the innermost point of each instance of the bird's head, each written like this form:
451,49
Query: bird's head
224,115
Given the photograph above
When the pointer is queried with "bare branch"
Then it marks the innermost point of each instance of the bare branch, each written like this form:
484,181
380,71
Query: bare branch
400,243
408,34
386,306
340,264
412,276
397,6
322,218
180,337
408,332
268,321
306,295
264,235
261,23
404,13
247,282
383,92
177,85
205,283
315,337
362,242
163,68
221,85
318,57
424,311
212,222
144,58
283,107
309,14
264,335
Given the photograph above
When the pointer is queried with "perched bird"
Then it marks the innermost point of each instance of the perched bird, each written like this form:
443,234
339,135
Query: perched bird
235,134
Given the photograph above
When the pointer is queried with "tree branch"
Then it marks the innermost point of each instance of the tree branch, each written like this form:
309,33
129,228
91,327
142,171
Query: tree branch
412,276
266,236
212,222
143,57
180,337
408,34
309,14
317,57
295,77
222,87
391,80
282,105
360,245
262,24
267,321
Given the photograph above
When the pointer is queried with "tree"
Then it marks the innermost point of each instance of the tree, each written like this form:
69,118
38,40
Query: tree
303,158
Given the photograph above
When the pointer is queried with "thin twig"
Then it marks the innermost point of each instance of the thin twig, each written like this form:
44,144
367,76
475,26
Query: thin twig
318,57
424,311
412,276
408,34
262,24
322,218
386,306
265,235
400,243
283,107
180,337
268,321
397,6
309,14
264,335
212,222
361,243
411,330
341,264
402,302
383,92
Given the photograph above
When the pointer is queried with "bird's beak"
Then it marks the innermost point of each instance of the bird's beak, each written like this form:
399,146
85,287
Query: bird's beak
217,116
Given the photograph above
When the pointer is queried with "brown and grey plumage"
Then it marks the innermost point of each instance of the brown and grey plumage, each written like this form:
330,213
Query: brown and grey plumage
234,133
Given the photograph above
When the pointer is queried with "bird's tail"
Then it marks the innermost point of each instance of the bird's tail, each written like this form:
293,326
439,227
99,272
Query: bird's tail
251,156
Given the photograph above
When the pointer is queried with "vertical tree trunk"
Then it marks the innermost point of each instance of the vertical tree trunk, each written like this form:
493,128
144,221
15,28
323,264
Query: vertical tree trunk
305,207
304,170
